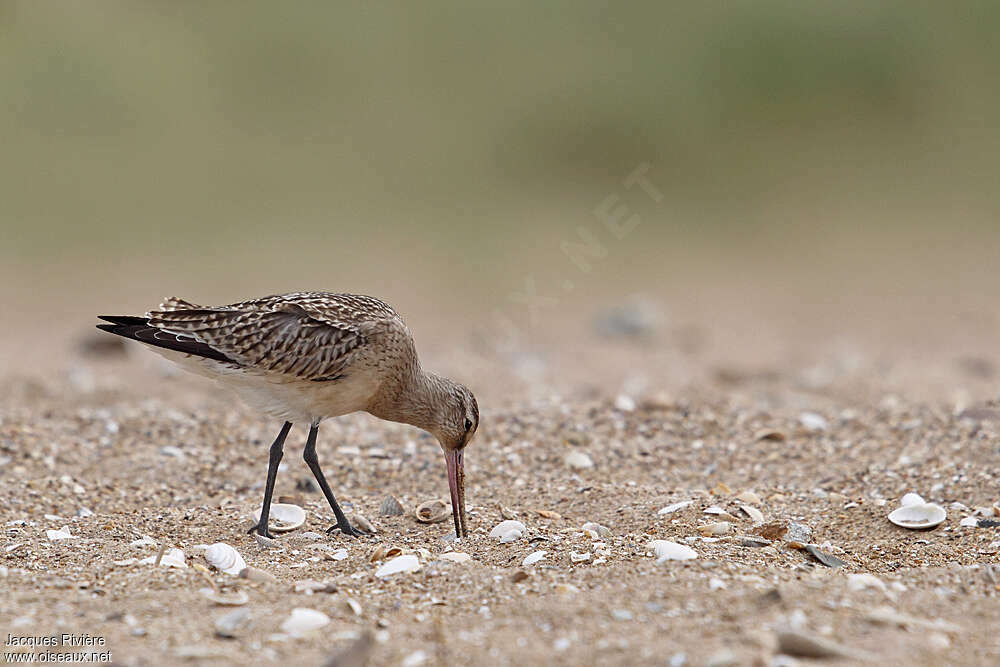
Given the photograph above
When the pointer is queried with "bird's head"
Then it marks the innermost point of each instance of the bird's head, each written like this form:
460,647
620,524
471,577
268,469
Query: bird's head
457,421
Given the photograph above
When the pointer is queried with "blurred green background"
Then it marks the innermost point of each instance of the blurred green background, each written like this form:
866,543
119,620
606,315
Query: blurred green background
201,145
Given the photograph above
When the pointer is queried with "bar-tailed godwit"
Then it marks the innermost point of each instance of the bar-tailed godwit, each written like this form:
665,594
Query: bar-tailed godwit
307,356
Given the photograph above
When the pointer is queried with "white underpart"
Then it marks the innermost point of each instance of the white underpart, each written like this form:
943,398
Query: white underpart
281,397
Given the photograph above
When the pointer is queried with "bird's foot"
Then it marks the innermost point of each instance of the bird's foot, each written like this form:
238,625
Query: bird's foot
347,529
263,532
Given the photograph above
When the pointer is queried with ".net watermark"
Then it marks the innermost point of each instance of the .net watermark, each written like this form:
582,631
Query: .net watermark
60,648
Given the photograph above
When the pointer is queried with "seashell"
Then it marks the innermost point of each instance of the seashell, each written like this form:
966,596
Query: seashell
969,522
260,576
579,557
918,517
229,625
718,528
303,622
670,509
665,550
237,599
510,536
146,539
755,514
505,527
533,558
455,557
363,523
61,534
598,529
391,507
719,512
578,460
339,554
813,422
283,517
432,511
750,498
224,558
170,558
353,606
911,499
407,563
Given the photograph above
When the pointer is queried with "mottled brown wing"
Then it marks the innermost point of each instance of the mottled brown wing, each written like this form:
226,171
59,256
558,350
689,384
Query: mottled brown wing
275,336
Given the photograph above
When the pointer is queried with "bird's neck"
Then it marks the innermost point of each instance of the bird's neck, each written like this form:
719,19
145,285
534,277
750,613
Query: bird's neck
416,399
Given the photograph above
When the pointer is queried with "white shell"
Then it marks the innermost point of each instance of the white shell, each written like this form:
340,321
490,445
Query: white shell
755,514
667,550
61,534
224,558
918,517
433,511
670,509
304,621
237,599
171,558
911,499
533,558
510,536
578,460
406,563
456,557
505,527
283,517
969,522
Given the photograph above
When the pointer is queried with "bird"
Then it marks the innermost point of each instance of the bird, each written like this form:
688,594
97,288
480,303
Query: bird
309,356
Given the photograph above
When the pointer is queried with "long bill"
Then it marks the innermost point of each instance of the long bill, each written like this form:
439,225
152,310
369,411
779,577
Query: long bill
456,482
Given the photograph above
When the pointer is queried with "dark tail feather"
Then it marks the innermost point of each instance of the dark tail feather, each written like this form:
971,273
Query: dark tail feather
121,319
138,329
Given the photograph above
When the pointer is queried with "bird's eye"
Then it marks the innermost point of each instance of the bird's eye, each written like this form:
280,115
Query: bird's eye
468,424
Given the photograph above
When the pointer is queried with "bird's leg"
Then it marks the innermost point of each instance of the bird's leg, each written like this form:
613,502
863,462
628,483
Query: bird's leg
313,462
274,458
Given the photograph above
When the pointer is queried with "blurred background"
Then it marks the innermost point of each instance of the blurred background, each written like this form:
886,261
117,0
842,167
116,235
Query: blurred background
819,180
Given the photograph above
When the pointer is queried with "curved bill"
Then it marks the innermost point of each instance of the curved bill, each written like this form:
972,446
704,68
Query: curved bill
456,482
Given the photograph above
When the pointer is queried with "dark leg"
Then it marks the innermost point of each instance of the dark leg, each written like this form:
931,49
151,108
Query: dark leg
313,462
274,458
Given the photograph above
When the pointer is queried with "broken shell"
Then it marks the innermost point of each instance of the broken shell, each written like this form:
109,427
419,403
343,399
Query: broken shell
506,527
665,550
229,625
283,517
670,509
433,511
533,558
578,460
598,529
237,599
407,563
911,499
455,557
224,558
363,523
170,558
918,517
304,621
575,557
391,507
718,528
61,534
260,576
755,514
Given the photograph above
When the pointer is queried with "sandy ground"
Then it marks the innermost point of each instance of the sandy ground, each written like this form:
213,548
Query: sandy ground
112,445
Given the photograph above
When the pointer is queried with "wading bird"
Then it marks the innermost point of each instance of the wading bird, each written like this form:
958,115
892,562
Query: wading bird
307,356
